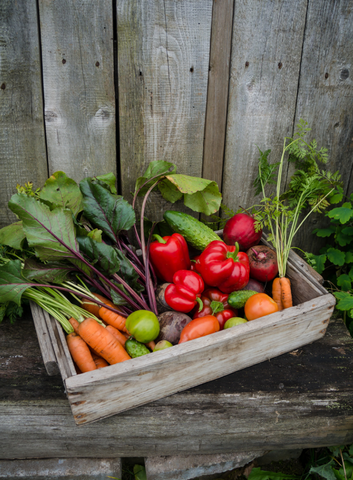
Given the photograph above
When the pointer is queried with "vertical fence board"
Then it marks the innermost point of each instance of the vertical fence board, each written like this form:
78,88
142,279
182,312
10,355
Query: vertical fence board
163,58
266,51
22,143
325,96
217,94
78,70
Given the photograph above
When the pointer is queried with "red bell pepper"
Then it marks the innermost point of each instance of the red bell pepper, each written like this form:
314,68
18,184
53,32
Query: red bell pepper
215,303
168,255
184,293
223,266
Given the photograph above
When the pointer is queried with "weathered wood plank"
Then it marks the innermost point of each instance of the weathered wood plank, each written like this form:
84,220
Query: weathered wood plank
78,76
266,52
300,399
163,58
46,346
325,95
22,143
217,92
102,393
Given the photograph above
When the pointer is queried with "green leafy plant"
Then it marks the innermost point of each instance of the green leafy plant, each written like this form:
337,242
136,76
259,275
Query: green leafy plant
335,261
80,230
333,463
308,191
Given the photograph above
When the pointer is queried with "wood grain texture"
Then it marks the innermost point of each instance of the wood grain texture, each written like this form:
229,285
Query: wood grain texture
46,346
163,58
298,400
78,76
144,379
217,92
266,53
325,95
22,143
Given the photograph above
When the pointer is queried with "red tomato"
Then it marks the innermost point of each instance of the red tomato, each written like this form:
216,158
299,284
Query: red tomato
199,327
259,305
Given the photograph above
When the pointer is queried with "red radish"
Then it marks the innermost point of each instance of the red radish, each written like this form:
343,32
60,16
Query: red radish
263,263
255,285
241,229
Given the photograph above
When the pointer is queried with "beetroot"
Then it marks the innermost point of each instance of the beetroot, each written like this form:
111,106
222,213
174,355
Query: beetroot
240,228
255,285
263,263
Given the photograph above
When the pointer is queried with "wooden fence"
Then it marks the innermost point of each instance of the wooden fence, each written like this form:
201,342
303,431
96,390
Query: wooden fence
89,87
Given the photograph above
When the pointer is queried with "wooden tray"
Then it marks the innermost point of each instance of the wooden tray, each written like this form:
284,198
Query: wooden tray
117,388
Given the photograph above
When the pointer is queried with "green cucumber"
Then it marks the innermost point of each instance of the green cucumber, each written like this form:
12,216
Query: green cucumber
238,299
196,233
135,349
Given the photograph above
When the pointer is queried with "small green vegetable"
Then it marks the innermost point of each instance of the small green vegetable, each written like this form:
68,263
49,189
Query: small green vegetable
196,233
238,299
135,349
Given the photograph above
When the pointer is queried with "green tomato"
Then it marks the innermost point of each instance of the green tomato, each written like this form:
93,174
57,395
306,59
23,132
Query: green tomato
143,325
162,345
232,322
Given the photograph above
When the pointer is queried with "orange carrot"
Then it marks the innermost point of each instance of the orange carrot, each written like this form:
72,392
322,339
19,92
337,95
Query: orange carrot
75,324
113,319
103,342
80,353
277,293
93,308
286,294
117,334
100,362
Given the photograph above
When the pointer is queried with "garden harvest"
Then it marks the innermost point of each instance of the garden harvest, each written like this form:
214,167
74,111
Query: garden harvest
124,287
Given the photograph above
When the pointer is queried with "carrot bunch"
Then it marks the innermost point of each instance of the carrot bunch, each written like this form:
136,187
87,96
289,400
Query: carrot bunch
94,345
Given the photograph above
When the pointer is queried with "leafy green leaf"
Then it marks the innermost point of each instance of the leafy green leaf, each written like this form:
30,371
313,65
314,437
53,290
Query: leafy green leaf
13,235
46,272
50,232
347,231
155,169
12,284
342,239
324,232
61,190
10,310
109,212
258,474
101,255
140,472
336,256
317,262
343,214
349,257
346,303
341,295
325,471
344,281
109,179
200,195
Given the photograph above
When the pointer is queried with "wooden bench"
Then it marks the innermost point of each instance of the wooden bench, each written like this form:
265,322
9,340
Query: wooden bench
298,400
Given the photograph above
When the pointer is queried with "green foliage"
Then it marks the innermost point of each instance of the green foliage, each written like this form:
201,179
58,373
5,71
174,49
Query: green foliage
337,256
332,463
310,187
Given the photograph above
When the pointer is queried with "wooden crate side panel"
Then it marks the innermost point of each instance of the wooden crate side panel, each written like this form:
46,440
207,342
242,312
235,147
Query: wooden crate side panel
22,143
266,52
78,71
217,92
45,343
141,380
325,95
163,59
